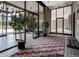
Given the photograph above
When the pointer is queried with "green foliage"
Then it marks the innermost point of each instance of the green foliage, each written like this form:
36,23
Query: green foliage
18,22
45,24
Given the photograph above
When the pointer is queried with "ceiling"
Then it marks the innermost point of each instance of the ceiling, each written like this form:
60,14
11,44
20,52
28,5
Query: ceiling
17,3
56,4
30,5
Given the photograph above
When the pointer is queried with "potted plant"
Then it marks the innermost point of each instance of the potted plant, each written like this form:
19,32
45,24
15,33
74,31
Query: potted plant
17,23
45,27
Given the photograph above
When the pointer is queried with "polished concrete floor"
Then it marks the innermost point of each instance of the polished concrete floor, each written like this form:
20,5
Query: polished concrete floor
14,50
7,41
69,52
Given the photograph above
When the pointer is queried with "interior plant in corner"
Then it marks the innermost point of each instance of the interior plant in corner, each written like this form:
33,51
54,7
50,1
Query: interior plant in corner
45,27
18,23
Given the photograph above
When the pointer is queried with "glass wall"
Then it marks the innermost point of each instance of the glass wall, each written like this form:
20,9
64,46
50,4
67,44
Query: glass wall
17,3
53,21
59,25
33,18
32,6
35,26
41,19
59,12
9,28
5,17
2,19
6,41
12,11
4,22
1,31
6,12
67,19
61,20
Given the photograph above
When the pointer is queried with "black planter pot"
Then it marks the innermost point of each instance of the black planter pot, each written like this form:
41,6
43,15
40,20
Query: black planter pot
21,44
45,35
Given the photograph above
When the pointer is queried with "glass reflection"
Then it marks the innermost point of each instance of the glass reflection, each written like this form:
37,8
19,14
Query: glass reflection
41,19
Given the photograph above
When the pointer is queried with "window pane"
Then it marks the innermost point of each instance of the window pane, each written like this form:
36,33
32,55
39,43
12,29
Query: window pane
0,25
41,19
32,6
53,21
67,20
17,3
59,26
1,5
60,12
9,28
10,9
4,24
35,26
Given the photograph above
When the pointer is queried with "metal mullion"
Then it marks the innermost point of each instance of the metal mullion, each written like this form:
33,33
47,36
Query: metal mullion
6,19
71,19
63,21
24,18
50,20
56,21
2,18
38,19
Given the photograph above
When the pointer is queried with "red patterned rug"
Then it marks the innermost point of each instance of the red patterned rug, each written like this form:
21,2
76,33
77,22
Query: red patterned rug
52,46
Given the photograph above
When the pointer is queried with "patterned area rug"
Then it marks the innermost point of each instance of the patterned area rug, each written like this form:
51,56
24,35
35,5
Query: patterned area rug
52,46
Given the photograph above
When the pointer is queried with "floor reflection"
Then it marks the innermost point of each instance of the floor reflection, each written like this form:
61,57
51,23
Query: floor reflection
9,40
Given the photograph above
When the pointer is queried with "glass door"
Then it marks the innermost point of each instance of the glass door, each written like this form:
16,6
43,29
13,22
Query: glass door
35,26
59,25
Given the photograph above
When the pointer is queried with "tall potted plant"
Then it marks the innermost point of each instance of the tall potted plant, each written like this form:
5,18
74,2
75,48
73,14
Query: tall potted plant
45,27
17,23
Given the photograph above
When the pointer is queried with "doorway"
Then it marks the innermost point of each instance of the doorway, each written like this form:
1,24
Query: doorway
61,20
59,25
